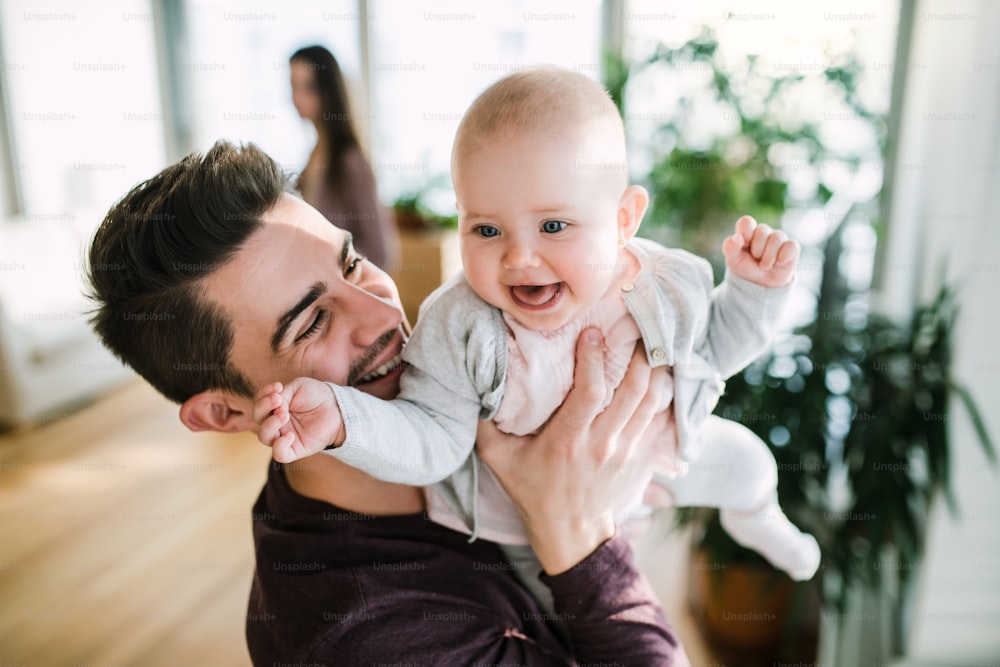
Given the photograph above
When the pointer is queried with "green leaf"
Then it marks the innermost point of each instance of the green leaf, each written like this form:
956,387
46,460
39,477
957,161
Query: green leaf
977,420
824,193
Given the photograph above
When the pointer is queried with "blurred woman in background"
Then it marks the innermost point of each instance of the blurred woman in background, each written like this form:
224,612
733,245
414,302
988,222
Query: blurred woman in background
337,180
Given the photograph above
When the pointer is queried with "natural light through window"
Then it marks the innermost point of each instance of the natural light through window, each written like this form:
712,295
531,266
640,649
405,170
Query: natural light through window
86,122
430,60
237,65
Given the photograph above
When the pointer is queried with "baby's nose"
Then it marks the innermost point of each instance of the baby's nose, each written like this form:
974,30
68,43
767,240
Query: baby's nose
519,255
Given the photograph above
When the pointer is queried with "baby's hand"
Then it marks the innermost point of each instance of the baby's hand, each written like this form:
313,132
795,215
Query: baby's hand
299,419
760,254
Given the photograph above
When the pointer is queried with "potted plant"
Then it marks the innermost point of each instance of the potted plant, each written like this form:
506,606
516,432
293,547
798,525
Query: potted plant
413,213
852,404
744,166
854,407
428,244
417,208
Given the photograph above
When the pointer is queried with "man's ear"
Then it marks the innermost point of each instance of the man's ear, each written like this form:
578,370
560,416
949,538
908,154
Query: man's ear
631,207
218,411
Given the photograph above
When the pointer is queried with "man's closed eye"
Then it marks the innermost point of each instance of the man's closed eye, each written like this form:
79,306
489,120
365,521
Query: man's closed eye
316,325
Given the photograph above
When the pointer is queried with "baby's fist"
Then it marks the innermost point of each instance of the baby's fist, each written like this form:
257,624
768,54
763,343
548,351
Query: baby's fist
760,254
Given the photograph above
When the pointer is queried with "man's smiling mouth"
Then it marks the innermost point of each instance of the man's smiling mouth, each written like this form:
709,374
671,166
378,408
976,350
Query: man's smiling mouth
384,369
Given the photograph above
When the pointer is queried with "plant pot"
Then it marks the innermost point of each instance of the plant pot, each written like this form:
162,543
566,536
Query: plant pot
740,606
752,614
409,219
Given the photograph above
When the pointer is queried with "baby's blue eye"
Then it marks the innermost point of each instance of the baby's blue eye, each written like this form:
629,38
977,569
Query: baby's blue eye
487,231
553,226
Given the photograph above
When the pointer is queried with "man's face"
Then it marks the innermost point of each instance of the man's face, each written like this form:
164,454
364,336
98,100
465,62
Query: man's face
303,303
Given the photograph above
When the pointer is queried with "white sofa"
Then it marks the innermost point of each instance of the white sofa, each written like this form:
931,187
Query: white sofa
50,359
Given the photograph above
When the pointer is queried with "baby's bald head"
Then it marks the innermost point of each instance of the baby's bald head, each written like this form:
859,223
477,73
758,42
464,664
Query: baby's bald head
547,100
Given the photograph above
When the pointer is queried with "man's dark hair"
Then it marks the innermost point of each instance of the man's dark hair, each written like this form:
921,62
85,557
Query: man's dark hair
151,252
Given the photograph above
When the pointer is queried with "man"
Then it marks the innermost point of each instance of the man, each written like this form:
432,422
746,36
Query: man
211,266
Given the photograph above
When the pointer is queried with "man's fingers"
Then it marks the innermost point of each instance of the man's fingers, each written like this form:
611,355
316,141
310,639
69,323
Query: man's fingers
585,398
647,409
496,448
486,441
658,496
628,396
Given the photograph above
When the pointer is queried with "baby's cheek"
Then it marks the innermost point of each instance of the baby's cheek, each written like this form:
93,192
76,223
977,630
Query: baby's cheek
488,289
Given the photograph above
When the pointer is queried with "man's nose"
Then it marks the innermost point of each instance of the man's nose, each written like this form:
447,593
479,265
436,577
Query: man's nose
370,314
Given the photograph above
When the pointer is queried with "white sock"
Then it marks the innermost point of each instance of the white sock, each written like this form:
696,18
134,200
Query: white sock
769,532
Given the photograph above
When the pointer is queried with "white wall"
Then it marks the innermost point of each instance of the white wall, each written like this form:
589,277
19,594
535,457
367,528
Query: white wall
947,208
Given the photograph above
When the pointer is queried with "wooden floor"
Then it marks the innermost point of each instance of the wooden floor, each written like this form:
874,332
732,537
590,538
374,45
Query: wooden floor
125,540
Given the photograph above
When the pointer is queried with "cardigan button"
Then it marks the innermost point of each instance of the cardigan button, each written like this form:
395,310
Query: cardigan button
628,287
659,354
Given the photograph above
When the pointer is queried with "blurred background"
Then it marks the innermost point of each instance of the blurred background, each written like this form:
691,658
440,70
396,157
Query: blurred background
867,130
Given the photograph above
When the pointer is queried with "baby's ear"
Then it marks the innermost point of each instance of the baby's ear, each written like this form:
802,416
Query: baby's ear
631,207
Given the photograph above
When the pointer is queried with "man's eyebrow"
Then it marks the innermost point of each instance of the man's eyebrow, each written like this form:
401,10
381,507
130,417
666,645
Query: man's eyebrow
285,321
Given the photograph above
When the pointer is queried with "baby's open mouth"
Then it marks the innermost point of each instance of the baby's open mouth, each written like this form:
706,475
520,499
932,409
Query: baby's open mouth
536,297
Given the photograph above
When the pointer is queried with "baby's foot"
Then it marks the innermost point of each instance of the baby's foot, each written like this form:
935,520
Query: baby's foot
769,532
800,560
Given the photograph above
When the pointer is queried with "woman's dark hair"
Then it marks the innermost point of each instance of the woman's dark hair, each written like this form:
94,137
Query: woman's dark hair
335,121
151,252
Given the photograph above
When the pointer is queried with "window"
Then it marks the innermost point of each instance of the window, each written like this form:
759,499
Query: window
83,107
430,59
236,68
820,151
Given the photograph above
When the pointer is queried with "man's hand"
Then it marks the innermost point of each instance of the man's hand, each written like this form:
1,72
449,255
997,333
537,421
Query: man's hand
760,254
566,481
298,419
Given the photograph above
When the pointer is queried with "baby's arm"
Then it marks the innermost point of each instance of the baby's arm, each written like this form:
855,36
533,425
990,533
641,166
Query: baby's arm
403,441
745,308
429,431
415,440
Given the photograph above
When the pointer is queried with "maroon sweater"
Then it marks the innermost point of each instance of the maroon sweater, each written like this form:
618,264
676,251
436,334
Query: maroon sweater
334,587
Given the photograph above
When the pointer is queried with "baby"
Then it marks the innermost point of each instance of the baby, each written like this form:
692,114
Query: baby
547,223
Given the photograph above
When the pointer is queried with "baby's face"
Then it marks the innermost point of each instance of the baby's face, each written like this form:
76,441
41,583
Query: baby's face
538,223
